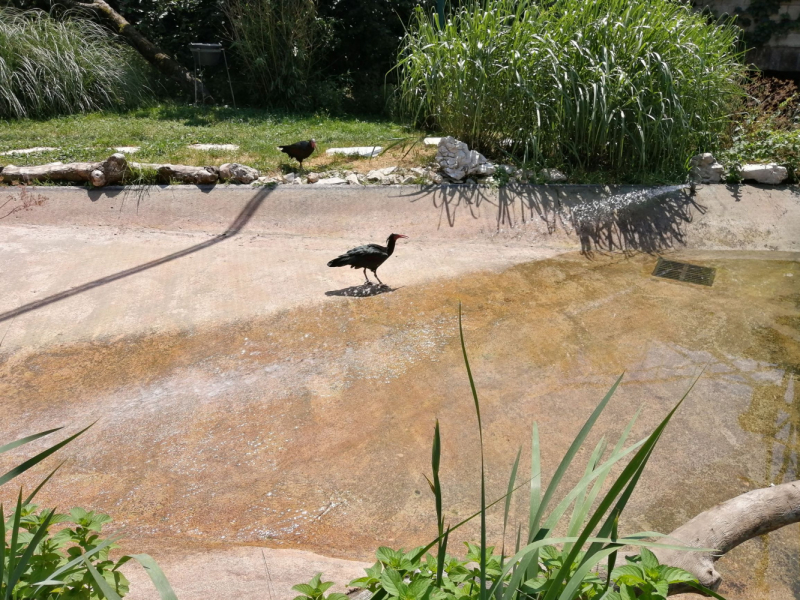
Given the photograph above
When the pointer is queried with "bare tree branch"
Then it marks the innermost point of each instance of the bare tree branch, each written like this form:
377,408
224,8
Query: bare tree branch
152,53
727,525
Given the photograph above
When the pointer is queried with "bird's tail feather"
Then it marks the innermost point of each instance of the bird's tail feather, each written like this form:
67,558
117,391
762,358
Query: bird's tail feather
340,261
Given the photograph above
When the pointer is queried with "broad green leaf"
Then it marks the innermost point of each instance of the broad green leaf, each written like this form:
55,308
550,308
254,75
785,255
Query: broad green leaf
306,589
628,571
662,587
418,587
649,560
392,582
386,555
674,574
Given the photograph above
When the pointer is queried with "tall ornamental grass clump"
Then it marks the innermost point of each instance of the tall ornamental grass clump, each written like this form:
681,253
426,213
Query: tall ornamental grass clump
633,88
278,42
54,66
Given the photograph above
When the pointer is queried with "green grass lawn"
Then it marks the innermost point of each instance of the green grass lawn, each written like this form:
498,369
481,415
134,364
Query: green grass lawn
164,131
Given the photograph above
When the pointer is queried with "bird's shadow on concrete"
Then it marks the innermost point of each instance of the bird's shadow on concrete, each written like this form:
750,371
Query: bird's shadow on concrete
364,290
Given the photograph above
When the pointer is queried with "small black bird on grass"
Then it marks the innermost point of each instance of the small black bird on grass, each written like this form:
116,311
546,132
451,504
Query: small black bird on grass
300,150
370,256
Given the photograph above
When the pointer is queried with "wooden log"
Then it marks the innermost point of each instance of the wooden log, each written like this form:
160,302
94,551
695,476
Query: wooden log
187,174
727,525
110,171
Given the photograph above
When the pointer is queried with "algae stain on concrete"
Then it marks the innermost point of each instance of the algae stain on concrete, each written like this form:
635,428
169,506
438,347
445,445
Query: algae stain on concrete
312,428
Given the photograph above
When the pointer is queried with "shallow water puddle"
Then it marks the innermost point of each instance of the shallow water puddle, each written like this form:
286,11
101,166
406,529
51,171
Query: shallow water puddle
313,428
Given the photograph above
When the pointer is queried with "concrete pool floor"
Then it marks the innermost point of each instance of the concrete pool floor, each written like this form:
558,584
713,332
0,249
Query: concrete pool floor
240,406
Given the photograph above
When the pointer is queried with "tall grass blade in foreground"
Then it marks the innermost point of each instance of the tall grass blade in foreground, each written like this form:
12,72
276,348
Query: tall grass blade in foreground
548,566
483,594
23,554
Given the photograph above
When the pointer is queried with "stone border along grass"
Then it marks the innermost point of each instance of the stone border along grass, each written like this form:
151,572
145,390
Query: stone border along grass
457,164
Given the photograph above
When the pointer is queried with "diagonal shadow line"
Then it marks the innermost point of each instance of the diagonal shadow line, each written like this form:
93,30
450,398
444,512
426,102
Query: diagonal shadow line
235,227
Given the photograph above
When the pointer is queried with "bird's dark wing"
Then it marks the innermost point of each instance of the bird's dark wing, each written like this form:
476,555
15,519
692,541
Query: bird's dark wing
298,149
366,250
369,255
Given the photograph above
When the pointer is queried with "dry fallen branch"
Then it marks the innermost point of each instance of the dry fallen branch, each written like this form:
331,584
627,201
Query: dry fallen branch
110,171
116,169
727,525
152,53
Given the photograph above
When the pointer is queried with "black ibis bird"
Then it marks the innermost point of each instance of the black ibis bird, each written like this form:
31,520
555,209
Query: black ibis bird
300,150
369,256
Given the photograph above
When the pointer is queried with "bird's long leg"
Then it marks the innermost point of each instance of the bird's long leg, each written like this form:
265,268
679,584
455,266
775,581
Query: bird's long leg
367,278
375,272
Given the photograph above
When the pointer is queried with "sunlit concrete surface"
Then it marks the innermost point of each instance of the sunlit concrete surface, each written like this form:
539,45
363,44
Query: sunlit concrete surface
246,399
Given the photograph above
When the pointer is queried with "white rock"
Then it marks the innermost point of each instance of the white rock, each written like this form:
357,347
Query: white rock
352,179
313,177
236,173
772,174
98,178
289,178
418,171
432,141
705,169
213,146
332,181
552,175
457,160
408,179
29,150
380,174
436,178
265,181
368,151
127,149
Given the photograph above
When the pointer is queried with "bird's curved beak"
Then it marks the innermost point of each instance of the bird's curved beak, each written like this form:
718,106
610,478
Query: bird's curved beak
401,236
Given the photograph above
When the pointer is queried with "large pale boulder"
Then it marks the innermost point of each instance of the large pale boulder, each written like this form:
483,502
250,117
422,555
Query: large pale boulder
457,161
705,169
552,176
771,173
236,173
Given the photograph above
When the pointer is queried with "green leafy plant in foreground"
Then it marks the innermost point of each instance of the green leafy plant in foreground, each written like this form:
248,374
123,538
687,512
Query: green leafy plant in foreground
56,550
72,563
315,590
644,578
578,564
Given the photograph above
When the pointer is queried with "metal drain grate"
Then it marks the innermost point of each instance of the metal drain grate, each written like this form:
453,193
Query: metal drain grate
669,269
